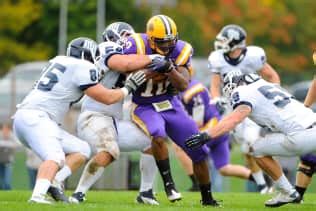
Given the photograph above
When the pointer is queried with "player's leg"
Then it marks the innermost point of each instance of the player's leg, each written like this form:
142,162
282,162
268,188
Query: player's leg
305,171
257,174
131,138
29,126
263,150
100,132
77,152
179,128
246,133
152,123
187,165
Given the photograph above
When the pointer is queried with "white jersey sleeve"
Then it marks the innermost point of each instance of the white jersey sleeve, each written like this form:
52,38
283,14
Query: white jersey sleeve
242,96
257,57
108,49
86,76
214,61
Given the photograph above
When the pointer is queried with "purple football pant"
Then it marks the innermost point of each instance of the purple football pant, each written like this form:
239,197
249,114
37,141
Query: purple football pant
219,151
174,123
309,159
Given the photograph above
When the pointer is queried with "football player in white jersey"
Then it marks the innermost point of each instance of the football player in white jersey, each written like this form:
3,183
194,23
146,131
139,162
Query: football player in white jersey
38,118
292,125
232,53
107,133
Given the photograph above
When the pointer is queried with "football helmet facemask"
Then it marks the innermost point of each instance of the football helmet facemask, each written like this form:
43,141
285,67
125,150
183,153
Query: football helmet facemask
230,37
235,78
162,33
83,48
118,32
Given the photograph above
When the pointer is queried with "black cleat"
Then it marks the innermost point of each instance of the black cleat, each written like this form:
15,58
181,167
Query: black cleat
147,197
57,194
77,198
211,202
172,193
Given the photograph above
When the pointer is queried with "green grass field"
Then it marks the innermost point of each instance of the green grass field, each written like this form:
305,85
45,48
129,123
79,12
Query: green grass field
124,200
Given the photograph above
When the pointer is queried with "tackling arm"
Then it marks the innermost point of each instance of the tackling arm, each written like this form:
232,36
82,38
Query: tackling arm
230,121
128,63
268,73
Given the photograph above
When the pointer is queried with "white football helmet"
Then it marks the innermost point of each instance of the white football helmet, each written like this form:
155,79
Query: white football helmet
83,48
230,37
235,78
117,32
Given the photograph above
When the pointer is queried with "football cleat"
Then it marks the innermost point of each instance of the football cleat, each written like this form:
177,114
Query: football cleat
41,199
283,198
211,202
147,197
263,189
77,198
172,193
57,194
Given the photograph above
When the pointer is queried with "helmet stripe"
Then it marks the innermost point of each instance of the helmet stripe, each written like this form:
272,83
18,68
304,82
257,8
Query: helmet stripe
166,23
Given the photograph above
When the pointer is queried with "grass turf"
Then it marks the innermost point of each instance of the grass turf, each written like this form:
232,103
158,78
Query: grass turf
125,200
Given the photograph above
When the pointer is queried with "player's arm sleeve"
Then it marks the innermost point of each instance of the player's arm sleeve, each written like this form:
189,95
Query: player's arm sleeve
259,58
185,55
86,77
131,46
242,97
211,64
108,49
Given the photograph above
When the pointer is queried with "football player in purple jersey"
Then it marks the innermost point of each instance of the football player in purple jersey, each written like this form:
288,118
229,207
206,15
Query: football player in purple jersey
157,111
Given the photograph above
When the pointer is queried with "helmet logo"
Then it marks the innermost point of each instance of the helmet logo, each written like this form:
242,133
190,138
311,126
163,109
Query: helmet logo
233,34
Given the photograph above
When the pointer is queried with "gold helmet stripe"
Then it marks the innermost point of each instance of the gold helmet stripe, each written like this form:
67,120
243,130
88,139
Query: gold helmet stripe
167,24
184,55
139,43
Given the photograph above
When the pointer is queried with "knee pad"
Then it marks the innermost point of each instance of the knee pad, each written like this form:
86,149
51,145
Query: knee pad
307,171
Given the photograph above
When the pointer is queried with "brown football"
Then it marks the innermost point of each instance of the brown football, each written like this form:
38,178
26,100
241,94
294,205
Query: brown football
155,76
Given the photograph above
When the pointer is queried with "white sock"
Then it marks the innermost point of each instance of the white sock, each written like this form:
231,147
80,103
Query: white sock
283,184
148,170
41,187
63,174
87,179
258,177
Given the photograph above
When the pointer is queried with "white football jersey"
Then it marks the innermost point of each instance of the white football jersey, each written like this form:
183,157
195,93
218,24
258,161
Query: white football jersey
251,61
61,84
112,79
273,107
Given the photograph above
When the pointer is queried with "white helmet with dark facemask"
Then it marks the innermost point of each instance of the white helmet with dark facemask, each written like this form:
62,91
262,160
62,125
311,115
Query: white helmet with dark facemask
235,78
117,32
83,48
230,37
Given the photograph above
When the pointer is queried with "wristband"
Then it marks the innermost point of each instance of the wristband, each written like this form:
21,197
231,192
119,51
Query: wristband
125,91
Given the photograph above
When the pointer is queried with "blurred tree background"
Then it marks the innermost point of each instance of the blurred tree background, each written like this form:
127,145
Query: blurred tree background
285,29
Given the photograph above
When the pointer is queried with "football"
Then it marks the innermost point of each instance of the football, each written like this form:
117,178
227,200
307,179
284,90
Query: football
155,76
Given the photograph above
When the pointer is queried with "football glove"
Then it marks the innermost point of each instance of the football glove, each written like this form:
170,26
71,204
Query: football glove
197,140
161,65
220,104
135,80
